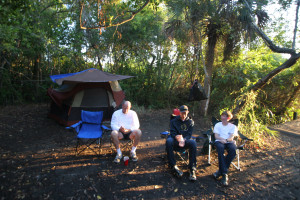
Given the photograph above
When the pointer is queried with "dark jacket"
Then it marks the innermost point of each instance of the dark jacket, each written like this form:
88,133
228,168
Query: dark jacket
184,128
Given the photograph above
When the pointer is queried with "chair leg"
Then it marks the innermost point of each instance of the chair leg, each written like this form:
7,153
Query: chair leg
127,145
237,166
100,145
76,153
87,145
181,157
209,149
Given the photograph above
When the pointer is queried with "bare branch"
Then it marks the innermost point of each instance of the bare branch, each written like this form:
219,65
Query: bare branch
266,39
270,44
50,5
133,14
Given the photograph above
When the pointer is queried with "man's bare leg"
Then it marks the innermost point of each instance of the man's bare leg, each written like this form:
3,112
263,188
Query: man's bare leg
136,137
116,136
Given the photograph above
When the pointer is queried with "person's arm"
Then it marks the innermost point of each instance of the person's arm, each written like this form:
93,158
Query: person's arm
135,122
189,131
230,139
173,130
219,138
232,134
217,134
114,122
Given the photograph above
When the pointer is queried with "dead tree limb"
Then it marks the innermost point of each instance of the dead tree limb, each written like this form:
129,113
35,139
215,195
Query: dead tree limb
99,26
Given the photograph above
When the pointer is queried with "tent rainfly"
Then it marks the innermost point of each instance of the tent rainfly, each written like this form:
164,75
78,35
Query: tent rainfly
91,90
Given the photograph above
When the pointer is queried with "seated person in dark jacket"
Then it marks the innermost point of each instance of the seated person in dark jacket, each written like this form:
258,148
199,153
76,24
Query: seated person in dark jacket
180,137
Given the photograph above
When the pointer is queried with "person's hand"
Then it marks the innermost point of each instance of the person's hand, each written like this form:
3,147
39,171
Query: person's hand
126,131
180,140
182,143
122,129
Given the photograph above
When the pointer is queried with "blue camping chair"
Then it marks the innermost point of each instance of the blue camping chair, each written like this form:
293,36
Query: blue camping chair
89,130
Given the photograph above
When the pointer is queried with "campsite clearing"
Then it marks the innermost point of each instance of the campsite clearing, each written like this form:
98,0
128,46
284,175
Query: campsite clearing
38,162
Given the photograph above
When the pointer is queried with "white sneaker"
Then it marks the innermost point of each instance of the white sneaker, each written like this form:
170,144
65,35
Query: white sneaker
118,158
133,156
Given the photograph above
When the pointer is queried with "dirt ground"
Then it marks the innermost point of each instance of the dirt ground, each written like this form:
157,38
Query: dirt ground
38,162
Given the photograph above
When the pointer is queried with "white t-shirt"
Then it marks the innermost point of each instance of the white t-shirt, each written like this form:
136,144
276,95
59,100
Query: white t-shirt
128,121
225,131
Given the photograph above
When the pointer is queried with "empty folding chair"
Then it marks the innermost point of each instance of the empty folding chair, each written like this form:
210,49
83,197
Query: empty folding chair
89,130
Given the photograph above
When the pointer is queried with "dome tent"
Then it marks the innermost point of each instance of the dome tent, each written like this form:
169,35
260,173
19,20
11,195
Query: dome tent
91,90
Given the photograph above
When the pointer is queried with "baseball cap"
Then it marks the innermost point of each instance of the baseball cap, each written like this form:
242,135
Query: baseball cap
183,108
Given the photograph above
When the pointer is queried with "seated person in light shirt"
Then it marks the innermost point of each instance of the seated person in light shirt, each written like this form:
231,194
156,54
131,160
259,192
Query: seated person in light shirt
125,125
224,134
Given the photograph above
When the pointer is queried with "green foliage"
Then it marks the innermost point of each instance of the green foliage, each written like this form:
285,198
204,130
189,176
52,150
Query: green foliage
250,123
231,83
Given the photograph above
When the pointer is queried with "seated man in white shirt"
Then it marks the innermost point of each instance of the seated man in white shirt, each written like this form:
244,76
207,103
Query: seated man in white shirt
224,133
125,125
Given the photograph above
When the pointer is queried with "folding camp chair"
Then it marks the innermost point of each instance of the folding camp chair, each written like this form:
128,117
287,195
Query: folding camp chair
182,153
211,140
89,130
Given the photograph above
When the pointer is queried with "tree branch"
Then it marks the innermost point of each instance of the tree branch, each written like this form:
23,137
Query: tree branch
133,14
50,5
262,82
266,39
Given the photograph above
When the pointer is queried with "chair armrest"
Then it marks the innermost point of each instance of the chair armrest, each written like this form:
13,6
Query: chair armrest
197,139
76,126
164,134
106,128
245,139
208,132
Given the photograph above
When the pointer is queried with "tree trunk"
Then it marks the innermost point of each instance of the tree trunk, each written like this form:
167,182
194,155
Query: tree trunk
296,25
99,62
36,72
209,59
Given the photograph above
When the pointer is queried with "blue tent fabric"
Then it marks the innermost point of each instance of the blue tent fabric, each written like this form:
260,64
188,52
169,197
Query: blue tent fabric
59,76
